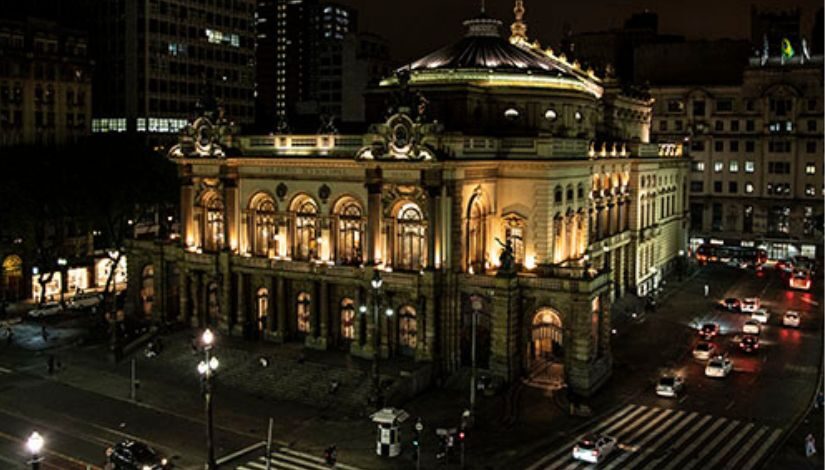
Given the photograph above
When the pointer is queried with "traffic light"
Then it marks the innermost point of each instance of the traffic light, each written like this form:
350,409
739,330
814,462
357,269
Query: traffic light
461,436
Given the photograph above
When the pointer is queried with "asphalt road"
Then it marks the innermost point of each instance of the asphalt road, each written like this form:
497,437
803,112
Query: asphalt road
78,426
735,422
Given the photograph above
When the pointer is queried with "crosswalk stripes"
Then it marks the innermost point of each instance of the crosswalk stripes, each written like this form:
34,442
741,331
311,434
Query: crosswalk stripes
652,438
288,459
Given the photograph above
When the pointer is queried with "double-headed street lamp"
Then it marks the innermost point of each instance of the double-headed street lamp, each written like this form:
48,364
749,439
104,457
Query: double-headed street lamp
376,283
206,368
35,444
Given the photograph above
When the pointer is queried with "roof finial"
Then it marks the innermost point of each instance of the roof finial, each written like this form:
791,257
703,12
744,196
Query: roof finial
482,7
518,28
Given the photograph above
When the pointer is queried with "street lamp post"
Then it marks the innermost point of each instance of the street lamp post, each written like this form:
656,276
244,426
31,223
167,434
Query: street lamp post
475,304
35,444
206,369
376,283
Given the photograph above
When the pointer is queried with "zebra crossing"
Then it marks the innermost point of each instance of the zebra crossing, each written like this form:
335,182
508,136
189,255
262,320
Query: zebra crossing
288,459
652,438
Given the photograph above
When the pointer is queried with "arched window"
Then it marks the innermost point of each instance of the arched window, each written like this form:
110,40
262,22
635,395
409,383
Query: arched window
264,227
262,308
411,238
514,236
147,289
305,244
348,319
407,328
350,233
569,194
475,235
557,194
304,313
212,207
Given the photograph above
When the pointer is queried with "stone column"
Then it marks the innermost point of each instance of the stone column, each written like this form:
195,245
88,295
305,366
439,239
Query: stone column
225,292
183,294
281,308
374,216
186,210
323,298
239,319
271,310
432,180
231,198
505,359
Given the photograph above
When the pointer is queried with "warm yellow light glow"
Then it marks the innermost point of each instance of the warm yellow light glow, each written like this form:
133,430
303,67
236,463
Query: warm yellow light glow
530,262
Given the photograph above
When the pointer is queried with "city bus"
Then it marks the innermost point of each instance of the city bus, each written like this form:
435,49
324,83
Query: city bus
723,254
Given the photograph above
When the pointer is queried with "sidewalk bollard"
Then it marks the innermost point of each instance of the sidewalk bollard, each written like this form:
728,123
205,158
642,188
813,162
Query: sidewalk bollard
269,445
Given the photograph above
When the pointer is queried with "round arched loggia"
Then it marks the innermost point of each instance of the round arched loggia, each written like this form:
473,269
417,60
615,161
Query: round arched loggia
511,114
551,114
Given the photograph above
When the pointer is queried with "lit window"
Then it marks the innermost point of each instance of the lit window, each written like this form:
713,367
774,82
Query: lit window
718,167
810,190
550,115
748,188
698,166
810,168
749,166
578,116
303,312
511,114
733,166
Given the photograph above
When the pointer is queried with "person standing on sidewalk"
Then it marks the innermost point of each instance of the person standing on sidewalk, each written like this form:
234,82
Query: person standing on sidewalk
810,445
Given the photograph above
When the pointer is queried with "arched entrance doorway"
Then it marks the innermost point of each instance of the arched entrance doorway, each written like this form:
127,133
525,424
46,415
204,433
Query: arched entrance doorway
545,355
546,336
12,278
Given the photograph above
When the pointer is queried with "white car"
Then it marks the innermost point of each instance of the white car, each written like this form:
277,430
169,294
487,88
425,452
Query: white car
46,310
752,327
761,315
84,301
791,318
594,447
704,350
719,366
749,305
670,386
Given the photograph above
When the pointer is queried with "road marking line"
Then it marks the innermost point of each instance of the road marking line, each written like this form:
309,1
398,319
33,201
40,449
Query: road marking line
685,452
289,460
238,453
566,449
275,464
731,442
655,446
644,441
6,371
764,448
287,450
707,448
745,448
615,416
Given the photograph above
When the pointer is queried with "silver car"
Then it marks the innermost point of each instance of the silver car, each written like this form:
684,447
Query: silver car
670,386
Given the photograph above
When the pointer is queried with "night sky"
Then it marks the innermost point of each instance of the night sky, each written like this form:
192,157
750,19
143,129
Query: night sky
416,27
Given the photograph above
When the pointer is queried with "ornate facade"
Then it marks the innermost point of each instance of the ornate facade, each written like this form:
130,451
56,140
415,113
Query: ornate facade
512,186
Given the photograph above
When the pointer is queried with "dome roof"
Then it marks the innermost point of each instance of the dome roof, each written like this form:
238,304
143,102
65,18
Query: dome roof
484,55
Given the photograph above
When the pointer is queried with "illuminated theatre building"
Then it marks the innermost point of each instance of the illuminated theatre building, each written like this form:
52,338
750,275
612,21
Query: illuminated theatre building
490,143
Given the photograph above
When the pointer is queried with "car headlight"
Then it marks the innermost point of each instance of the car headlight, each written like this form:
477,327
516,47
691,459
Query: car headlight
146,467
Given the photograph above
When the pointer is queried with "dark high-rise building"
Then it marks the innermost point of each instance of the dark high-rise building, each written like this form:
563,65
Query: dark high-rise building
155,59
308,53
817,35
775,26
45,83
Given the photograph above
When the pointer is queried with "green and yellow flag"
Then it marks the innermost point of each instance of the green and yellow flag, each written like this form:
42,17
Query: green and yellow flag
787,49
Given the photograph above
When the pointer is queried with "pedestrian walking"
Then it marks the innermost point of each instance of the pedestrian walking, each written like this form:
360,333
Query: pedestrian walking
810,445
707,290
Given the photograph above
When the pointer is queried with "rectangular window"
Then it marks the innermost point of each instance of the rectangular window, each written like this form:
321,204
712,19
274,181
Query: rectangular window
733,187
724,105
677,124
748,188
750,146
697,186
719,126
812,104
749,125
675,106
749,105
811,125
697,166
769,188
718,166
734,125
810,146
810,168
699,108
810,190
718,145
697,146
733,145
663,125
733,166
717,186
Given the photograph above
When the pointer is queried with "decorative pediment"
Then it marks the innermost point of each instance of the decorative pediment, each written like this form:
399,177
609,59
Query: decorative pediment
399,138
206,137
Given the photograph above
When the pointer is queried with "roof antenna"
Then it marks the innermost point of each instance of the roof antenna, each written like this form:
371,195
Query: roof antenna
482,7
